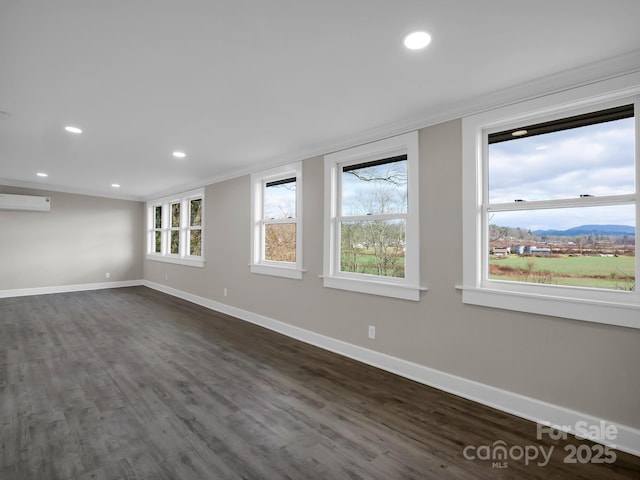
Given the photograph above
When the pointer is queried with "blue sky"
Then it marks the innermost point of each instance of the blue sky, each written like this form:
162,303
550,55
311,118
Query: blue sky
361,197
280,201
596,160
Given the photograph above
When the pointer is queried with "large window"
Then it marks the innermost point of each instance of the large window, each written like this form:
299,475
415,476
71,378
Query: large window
561,207
276,241
371,239
373,220
175,229
551,208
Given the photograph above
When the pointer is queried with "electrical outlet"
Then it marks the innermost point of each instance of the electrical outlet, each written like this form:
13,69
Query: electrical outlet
372,332
225,291
108,275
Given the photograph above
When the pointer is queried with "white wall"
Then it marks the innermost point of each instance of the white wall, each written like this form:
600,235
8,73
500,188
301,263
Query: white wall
77,242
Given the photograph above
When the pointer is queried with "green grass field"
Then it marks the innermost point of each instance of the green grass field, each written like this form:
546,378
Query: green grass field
601,272
366,263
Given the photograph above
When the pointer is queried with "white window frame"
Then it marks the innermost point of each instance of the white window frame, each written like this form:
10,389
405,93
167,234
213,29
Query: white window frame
191,228
407,288
258,264
580,303
170,229
153,229
183,257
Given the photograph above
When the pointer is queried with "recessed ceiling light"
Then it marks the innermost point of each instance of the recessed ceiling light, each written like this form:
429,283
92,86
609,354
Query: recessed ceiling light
179,154
72,129
519,133
417,40
115,185
42,174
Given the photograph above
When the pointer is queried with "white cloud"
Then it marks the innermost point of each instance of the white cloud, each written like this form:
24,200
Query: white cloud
595,160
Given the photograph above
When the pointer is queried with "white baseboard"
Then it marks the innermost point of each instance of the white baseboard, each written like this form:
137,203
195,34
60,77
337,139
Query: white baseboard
627,439
23,292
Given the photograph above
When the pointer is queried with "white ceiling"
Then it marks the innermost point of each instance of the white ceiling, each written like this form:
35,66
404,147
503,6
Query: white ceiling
241,84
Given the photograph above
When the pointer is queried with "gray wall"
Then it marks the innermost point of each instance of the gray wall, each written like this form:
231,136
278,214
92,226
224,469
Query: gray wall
77,242
587,367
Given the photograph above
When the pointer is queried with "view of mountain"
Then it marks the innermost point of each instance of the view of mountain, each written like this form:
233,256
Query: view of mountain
589,230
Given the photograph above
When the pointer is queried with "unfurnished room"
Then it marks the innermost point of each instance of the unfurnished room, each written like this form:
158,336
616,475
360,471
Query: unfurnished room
284,239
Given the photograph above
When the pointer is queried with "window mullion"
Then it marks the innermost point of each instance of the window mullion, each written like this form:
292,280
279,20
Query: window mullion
166,229
263,238
562,203
378,216
636,106
337,228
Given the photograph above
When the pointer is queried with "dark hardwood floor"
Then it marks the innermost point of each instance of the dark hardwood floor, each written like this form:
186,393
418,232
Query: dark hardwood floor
133,384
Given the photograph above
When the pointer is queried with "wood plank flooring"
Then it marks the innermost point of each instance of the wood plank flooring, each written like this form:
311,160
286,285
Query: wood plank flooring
133,384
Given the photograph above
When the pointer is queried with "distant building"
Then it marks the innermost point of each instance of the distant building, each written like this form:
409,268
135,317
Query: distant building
501,251
518,249
533,250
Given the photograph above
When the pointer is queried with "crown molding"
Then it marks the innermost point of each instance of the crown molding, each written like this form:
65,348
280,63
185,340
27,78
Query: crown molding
62,189
591,73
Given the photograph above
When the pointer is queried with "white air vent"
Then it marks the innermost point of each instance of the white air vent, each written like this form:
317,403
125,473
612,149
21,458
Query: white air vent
24,202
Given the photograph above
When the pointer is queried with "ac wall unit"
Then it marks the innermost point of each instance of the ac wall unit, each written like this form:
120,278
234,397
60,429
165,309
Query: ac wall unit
24,202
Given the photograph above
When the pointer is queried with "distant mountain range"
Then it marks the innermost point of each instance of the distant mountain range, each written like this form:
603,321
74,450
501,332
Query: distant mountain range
589,230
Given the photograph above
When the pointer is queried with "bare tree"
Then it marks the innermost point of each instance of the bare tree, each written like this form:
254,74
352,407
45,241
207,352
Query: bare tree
377,246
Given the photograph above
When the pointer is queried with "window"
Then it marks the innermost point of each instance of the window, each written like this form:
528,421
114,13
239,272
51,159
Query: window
156,233
175,229
551,207
371,218
276,240
195,227
372,223
560,207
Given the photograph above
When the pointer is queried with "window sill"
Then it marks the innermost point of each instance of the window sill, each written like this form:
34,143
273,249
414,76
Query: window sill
372,287
176,260
277,271
620,308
